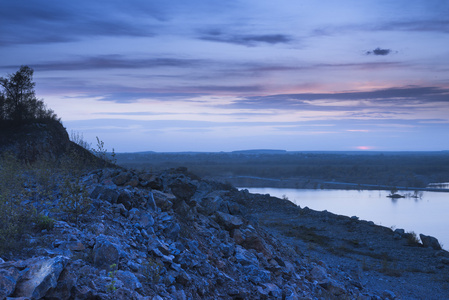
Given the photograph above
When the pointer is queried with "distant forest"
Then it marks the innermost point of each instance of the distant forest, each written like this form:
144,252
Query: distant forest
407,169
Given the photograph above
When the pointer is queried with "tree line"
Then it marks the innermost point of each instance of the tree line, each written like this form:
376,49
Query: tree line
411,169
18,101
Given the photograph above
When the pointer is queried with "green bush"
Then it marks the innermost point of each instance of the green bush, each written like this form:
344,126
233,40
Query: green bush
44,222
13,211
75,200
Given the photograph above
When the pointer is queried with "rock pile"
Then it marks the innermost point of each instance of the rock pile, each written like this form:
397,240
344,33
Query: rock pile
168,236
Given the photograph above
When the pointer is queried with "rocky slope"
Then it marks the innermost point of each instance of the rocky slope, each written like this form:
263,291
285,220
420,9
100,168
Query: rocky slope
174,236
47,139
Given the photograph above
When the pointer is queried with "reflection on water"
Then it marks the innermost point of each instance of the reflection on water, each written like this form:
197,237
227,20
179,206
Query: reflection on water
421,212
440,185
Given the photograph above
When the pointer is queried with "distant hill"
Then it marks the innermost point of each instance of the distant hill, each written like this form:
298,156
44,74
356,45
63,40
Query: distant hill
260,151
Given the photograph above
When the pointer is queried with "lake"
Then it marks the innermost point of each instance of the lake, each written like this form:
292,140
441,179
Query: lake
427,215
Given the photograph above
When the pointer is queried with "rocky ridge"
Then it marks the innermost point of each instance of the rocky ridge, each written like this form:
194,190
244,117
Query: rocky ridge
174,236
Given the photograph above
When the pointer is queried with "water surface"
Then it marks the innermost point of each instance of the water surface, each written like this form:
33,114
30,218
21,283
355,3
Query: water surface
427,215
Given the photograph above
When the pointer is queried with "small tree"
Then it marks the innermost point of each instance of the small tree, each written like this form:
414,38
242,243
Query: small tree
75,200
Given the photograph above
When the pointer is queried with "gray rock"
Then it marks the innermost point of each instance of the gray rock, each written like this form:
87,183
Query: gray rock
256,275
234,208
430,241
151,203
144,234
8,281
444,260
182,190
120,209
109,194
387,294
146,220
63,289
253,241
163,200
126,198
134,214
105,253
211,203
122,178
244,257
238,236
133,182
273,290
172,231
129,279
41,275
75,246
228,221
183,278
133,266
399,231
318,273
151,181
226,249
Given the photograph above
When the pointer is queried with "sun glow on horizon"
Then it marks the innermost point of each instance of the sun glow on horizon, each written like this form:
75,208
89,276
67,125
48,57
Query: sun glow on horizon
365,147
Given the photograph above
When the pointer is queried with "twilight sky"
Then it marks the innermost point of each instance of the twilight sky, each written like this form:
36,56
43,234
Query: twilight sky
241,74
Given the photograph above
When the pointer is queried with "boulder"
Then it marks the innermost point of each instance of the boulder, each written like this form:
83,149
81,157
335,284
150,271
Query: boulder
211,203
122,178
63,289
120,209
256,275
8,281
253,241
126,198
129,279
238,236
172,231
333,287
185,211
41,275
430,241
182,190
151,181
133,182
244,257
105,193
144,219
163,200
228,221
272,290
319,274
105,253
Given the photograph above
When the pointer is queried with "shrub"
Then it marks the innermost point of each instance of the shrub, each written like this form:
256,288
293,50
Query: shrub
101,152
13,211
75,200
152,270
412,239
111,286
78,138
44,222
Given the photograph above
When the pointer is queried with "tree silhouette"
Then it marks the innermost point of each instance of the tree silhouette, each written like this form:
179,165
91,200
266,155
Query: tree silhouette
18,100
